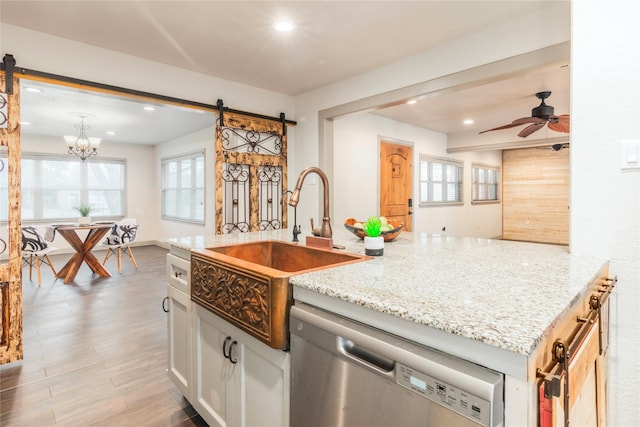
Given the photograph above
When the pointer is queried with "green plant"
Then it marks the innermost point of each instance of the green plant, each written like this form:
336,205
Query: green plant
373,226
84,210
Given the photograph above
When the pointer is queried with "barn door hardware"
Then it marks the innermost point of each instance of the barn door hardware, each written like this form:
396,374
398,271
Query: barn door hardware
8,65
220,106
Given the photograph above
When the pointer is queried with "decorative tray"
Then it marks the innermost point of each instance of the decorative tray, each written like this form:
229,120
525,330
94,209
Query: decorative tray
387,235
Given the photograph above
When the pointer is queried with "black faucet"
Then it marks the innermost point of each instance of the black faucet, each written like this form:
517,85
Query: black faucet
297,229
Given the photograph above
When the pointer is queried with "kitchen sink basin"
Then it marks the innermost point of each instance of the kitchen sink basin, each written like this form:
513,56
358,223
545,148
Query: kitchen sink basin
247,284
286,258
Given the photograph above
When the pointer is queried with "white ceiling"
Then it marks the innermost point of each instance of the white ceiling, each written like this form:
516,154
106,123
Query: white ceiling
333,40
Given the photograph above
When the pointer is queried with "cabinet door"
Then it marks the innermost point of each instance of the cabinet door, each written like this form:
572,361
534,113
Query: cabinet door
249,386
265,395
586,403
213,373
179,339
583,402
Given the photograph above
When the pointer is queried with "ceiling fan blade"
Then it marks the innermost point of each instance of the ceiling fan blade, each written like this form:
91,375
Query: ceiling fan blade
561,124
525,120
530,129
516,122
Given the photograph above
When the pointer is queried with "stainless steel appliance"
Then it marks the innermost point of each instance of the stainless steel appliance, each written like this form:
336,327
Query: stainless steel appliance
344,373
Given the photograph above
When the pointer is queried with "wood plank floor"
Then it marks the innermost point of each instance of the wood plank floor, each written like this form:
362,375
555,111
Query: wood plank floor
95,350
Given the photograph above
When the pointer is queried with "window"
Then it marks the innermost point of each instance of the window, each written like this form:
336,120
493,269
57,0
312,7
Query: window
183,187
53,185
440,181
485,183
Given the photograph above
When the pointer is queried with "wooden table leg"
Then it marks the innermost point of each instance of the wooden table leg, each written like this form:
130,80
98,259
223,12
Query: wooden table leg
70,269
83,253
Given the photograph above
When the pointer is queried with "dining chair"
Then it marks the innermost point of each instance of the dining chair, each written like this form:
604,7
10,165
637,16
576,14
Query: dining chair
35,251
122,236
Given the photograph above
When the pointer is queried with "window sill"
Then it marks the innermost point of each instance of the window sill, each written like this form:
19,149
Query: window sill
440,204
485,202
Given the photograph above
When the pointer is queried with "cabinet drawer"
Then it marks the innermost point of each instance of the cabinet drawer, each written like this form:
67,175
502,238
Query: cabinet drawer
179,273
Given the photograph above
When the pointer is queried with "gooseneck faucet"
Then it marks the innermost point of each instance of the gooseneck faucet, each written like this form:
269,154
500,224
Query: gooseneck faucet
325,230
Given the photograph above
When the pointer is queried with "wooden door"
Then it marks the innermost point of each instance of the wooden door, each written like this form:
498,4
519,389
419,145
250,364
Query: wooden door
10,236
535,195
572,385
582,396
396,182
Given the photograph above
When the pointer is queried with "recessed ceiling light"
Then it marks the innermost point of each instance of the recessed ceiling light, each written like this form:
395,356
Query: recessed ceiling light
25,123
468,121
149,108
110,132
33,89
411,102
283,26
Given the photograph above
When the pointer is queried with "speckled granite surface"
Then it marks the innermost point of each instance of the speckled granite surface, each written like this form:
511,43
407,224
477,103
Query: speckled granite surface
505,294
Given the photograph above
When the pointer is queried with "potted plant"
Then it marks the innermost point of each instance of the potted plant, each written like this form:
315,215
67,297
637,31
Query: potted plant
84,210
373,241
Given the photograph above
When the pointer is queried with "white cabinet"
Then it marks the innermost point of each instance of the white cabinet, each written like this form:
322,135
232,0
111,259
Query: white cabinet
238,380
179,312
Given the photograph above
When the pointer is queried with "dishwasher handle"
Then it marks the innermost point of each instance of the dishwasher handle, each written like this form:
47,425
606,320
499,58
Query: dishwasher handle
365,356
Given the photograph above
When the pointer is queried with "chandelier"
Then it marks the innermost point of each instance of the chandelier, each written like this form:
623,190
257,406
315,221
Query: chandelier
82,145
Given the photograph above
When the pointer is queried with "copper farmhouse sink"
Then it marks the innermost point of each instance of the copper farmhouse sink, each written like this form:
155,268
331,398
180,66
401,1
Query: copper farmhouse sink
247,284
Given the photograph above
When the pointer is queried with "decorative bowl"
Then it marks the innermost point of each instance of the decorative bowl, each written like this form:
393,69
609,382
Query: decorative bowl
387,235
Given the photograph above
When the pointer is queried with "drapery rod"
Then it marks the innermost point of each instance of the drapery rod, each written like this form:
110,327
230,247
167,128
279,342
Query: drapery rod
52,78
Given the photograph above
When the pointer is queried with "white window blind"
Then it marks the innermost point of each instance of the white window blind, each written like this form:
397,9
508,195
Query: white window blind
440,181
183,187
485,183
53,185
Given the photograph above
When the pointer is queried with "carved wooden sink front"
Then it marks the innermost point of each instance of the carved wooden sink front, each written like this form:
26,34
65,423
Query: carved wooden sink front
247,284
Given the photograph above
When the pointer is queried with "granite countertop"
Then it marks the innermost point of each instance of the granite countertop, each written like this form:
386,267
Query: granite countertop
501,293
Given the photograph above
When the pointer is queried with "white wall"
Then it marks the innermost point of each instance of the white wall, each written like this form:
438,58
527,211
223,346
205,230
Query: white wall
355,185
605,200
202,140
140,179
43,52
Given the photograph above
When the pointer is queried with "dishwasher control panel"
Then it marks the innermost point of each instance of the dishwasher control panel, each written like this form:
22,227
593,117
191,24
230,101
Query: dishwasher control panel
457,399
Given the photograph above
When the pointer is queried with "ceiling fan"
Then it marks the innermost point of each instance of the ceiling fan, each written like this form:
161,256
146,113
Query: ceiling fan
540,115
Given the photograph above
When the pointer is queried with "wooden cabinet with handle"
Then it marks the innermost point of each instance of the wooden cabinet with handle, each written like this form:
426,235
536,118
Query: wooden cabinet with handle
572,387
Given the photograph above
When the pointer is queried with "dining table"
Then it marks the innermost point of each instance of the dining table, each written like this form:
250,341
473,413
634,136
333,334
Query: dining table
83,247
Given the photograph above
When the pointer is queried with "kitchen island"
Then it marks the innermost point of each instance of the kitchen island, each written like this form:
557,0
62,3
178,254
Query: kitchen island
494,303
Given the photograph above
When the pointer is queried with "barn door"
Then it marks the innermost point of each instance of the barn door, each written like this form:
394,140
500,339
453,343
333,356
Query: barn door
396,166
10,209
251,174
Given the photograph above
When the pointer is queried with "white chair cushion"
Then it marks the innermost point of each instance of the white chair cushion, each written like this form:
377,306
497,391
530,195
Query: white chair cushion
32,241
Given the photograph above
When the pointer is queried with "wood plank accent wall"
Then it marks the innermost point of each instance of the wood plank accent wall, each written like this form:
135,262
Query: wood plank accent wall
535,195
11,271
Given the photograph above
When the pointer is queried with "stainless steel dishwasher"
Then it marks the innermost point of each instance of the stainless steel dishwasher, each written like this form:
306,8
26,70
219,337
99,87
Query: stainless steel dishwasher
344,373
